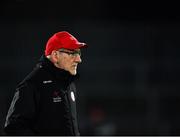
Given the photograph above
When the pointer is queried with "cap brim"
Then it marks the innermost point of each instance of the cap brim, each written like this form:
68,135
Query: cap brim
82,45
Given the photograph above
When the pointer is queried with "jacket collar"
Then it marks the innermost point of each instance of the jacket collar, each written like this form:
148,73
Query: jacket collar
58,73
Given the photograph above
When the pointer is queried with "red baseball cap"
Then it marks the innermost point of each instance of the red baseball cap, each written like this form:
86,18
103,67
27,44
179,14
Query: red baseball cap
64,40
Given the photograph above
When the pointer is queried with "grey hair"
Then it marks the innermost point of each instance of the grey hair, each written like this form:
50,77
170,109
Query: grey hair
49,56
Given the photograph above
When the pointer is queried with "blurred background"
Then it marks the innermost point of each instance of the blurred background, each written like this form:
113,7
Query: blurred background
129,81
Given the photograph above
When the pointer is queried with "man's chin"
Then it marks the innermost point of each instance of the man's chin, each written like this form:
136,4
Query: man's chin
73,73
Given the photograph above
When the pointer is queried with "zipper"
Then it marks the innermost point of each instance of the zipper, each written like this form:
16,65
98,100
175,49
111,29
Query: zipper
70,111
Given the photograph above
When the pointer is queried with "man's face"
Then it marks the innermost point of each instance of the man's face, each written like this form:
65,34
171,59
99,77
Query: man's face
69,60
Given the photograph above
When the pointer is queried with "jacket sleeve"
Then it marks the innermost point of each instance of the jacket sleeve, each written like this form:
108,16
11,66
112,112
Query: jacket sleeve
21,112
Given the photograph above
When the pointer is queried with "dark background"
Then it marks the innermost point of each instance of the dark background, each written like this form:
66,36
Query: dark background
130,73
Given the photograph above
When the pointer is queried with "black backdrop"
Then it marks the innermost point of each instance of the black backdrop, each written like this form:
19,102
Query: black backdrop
130,73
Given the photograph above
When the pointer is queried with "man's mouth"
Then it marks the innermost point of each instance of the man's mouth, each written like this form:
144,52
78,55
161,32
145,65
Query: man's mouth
74,66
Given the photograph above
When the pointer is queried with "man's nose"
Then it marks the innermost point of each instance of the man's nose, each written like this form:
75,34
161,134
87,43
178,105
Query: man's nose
78,59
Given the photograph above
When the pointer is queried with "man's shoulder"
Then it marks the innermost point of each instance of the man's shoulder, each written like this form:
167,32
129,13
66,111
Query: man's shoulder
37,75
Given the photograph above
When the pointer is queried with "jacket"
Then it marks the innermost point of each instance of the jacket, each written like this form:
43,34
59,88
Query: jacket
44,103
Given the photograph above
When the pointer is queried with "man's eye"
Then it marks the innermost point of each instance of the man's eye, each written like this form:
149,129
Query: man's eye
73,54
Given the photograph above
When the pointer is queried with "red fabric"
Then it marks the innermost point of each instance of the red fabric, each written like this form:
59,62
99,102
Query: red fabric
64,40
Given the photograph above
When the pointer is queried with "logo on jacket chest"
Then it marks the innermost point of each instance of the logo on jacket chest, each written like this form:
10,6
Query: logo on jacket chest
56,96
72,96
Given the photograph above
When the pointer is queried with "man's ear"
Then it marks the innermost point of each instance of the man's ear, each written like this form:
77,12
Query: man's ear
54,56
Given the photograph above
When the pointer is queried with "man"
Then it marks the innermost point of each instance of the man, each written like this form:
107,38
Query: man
45,101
